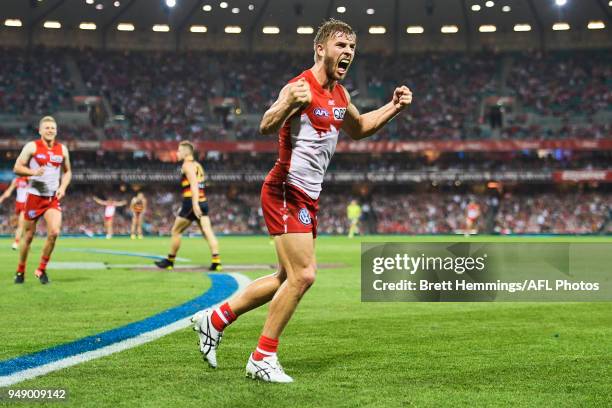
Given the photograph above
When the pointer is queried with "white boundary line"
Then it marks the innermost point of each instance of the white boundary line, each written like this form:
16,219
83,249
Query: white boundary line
143,338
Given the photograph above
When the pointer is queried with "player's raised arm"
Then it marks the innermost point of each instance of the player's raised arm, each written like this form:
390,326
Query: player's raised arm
189,169
66,176
97,200
360,126
21,167
7,193
290,100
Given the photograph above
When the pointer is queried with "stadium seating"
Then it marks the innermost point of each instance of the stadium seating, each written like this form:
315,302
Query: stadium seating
172,96
34,82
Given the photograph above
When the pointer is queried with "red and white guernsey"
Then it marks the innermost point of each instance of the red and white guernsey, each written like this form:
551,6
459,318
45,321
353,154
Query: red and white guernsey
109,211
51,159
22,189
307,140
473,211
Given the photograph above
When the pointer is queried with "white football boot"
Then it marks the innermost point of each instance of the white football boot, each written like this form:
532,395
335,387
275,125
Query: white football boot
209,336
268,369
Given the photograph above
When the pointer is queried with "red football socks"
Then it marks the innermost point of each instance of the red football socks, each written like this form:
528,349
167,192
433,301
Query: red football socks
43,263
21,268
265,348
222,317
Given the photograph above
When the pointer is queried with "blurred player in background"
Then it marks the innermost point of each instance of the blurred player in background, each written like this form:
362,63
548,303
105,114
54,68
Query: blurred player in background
138,206
110,206
472,213
308,115
19,184
43,161
194,208
353,213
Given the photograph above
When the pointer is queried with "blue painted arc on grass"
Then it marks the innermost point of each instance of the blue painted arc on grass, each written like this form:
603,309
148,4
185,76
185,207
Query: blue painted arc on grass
222,286
123,253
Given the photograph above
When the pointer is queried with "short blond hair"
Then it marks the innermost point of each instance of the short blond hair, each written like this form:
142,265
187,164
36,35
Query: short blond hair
188,145
47,119
328,29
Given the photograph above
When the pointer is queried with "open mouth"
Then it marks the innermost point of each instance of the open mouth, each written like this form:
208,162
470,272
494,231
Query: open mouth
343,65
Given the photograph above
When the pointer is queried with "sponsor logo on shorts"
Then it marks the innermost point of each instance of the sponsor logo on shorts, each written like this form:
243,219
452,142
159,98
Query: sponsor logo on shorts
304,216
321,112
32,213
339,113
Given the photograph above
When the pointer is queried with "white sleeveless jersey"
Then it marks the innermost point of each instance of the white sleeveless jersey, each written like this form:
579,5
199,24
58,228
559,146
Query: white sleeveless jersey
22,189
51,160
109,211
307,141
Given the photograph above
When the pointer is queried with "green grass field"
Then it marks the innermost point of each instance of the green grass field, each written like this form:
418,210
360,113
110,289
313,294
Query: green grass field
341,352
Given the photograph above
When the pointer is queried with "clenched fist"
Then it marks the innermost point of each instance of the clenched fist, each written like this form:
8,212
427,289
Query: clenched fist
299,93
402,97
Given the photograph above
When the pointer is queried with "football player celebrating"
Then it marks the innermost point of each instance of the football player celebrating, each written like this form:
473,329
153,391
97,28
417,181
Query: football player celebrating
308,115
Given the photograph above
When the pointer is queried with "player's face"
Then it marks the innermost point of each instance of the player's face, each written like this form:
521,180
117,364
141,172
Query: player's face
339,52
183,152
48,131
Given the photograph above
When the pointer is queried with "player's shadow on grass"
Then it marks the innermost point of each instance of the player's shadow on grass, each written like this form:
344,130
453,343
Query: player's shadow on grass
70,280
307,363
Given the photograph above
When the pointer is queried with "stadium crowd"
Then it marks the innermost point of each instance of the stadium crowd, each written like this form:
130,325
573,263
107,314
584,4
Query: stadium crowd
563,84
238,212
169,96
567,213
205,95
33,82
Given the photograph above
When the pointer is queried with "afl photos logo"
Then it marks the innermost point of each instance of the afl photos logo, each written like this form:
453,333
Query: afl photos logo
304,216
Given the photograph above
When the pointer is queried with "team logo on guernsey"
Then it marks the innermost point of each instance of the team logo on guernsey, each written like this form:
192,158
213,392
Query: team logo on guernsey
56,158
304,216
321,112
339,113
41,156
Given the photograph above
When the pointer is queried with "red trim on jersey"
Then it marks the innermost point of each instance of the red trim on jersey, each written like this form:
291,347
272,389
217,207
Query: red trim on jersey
320,98
44,154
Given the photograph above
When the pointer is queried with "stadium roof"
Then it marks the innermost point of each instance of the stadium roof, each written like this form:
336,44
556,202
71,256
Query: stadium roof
287,15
